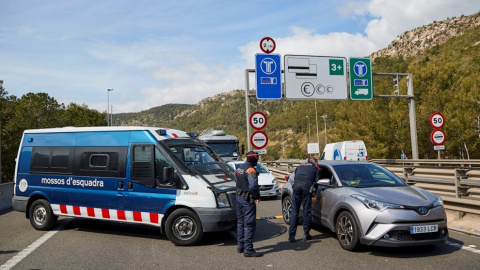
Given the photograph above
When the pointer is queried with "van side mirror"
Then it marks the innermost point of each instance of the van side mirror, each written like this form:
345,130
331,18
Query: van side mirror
168,174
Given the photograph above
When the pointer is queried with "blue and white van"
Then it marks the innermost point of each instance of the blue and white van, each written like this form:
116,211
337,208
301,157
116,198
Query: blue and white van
128,174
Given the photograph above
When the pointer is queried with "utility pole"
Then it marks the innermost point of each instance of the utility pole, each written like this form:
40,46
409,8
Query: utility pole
308,119
108,106
111,116
325,122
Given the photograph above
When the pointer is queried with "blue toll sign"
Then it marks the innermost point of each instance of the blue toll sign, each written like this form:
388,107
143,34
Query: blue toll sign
268,76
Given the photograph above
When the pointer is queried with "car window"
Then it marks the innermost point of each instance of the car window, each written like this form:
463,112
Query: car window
261,168
366,175
327,173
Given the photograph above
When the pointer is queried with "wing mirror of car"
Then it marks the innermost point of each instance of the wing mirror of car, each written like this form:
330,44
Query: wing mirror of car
324,182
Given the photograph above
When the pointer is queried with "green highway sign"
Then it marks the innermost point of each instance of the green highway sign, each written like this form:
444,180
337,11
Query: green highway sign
361,82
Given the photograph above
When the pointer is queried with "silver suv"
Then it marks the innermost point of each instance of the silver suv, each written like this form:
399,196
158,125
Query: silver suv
363,203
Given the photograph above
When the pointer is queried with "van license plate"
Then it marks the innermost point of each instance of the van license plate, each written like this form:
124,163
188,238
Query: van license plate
424,229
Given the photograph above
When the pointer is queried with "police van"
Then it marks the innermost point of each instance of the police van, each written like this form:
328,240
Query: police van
128,174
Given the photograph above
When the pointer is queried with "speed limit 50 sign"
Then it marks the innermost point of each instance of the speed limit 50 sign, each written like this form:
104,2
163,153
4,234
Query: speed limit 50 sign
437,120
258,120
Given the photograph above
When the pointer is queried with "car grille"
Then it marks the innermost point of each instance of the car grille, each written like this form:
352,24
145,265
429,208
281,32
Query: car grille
266,187
406,236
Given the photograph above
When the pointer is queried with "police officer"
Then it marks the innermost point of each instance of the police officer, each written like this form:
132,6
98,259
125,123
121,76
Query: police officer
306,176
248,195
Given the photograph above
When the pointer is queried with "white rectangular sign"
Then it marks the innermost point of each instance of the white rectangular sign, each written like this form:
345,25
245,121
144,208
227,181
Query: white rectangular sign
261,151
315,77
439,147
313,148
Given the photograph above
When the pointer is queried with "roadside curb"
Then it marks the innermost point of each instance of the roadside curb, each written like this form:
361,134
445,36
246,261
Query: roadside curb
466,232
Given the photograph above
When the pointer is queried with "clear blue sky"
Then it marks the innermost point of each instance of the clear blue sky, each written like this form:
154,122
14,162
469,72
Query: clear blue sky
158,52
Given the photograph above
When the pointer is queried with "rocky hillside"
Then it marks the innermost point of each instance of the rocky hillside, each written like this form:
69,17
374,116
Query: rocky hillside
416,41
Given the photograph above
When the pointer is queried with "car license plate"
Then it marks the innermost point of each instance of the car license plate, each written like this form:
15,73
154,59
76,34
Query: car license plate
424,229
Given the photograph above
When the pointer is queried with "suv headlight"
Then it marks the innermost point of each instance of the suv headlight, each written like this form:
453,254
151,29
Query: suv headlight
222,199
438,202
374,204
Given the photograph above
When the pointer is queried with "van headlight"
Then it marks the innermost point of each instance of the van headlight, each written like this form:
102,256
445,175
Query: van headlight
222,200
376,205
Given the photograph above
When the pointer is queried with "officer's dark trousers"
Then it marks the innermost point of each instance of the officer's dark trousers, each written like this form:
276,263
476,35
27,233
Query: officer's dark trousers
301,195
246,223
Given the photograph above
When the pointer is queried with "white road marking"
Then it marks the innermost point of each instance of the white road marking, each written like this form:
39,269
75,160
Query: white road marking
468,248
24,253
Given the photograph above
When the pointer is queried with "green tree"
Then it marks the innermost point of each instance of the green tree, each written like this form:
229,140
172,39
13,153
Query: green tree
9,138
81,116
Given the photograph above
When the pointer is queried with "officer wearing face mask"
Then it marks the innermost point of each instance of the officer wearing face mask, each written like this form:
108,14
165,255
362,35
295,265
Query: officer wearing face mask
248,195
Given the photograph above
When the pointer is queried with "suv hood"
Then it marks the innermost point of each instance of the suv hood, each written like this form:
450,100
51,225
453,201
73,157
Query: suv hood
408,196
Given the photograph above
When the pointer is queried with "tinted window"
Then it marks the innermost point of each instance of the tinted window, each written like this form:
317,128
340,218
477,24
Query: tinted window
142,157
100,161
52,160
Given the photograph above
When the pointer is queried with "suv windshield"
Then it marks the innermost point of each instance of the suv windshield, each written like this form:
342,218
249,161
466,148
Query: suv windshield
366,175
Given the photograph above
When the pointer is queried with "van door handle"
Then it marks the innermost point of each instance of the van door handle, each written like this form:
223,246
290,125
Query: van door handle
130,185
120,185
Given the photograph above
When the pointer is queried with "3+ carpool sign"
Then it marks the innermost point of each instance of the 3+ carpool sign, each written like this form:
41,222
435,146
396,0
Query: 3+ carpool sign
361,82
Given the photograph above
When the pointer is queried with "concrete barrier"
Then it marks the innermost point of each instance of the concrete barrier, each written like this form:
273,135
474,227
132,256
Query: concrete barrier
6,194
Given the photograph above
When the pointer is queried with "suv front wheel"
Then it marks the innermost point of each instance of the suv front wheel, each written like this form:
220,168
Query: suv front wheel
286,209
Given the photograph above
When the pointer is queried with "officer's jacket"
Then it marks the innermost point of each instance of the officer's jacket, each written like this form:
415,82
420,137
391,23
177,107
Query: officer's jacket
307,174
247,179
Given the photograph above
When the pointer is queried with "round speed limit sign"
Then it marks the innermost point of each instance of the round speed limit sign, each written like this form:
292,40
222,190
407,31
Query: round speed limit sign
437,120
258,120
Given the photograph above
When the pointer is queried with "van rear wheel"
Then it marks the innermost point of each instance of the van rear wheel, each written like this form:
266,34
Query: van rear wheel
183,228
41,215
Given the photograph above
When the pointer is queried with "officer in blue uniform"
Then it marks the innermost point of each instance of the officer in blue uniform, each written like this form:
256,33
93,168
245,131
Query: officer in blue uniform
306,175
248,195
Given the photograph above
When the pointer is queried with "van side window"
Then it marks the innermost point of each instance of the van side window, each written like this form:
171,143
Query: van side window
142,164
100,161
52,160
160,164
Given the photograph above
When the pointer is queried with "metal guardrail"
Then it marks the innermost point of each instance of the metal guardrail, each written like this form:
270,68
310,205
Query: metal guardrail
457,182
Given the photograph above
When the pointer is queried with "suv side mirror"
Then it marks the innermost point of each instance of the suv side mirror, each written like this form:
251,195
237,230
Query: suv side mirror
324,182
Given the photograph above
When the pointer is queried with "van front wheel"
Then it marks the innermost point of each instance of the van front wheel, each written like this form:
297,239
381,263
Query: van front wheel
41,215
183,228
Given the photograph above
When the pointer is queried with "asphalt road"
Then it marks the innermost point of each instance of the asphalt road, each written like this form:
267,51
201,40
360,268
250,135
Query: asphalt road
89,244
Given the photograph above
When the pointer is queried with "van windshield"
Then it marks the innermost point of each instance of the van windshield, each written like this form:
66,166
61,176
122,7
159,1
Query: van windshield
203,161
